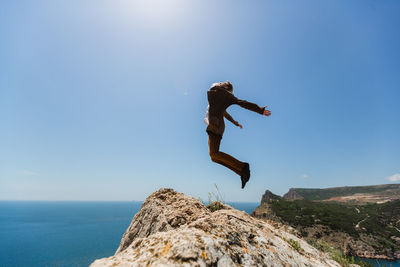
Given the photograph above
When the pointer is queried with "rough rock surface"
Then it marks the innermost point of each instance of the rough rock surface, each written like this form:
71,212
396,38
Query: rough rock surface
172,229
164,210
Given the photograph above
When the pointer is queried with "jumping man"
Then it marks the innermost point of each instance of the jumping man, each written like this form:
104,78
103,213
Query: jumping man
220,97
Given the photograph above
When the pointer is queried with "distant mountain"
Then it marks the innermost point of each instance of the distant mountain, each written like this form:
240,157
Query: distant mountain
362,221
348,194
269,196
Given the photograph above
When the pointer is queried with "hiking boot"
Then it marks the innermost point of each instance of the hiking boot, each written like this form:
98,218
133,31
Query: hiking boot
245,174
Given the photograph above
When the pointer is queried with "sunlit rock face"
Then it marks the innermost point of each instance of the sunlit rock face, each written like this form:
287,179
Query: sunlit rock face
172,229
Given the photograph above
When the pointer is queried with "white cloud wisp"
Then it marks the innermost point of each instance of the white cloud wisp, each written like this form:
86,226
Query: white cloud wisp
394,177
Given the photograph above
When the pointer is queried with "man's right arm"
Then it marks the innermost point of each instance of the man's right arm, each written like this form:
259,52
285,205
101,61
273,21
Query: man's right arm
247,105
231,99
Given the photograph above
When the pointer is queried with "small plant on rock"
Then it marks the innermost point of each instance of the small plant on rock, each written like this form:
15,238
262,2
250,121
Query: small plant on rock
215,200
295,244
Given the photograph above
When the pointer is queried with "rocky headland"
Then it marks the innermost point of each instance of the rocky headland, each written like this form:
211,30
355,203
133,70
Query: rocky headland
357,195
366,229
172,229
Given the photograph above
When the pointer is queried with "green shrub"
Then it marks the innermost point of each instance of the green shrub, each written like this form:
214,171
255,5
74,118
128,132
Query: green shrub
295,245
338,256
216,205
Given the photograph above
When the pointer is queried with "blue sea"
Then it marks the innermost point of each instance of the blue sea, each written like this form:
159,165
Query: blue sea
382,263
39,234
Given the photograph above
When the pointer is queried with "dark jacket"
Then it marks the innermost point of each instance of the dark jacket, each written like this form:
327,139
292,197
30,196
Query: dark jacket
219,100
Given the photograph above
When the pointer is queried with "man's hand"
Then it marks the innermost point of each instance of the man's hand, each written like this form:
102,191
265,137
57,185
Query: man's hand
266,112
241,127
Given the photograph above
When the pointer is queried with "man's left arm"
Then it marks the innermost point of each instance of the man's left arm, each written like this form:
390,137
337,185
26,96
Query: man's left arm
229,118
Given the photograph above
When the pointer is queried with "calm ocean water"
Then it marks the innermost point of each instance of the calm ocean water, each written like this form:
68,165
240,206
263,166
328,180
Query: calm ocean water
381,263
38,234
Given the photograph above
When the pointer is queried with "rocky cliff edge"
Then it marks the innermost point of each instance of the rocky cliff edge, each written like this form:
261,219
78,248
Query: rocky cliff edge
172,229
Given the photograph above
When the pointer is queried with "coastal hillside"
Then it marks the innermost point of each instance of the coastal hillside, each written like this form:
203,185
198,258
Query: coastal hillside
177,230
348,194
368,230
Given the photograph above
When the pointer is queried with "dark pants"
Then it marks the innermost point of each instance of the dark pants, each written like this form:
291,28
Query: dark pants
214,141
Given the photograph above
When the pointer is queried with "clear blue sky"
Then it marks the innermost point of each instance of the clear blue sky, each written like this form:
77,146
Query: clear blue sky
104,100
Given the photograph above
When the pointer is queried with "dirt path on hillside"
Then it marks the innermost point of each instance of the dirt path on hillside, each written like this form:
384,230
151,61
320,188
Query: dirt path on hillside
358,224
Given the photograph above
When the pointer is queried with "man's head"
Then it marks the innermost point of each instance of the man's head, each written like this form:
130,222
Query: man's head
228,86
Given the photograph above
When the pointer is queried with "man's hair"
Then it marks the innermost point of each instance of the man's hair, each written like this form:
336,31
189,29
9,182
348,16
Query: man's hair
228,86
225,85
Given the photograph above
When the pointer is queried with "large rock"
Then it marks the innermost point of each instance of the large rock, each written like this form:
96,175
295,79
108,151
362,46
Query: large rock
176,230
164,210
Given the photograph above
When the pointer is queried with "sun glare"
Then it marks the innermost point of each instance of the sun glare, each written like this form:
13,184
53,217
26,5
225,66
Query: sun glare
154,12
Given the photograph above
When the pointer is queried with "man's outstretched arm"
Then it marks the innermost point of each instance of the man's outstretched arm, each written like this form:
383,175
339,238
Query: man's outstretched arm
250,106
229,118
253,107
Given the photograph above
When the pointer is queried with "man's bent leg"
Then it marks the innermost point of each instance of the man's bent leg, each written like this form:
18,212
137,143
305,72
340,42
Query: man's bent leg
229,162
221,157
